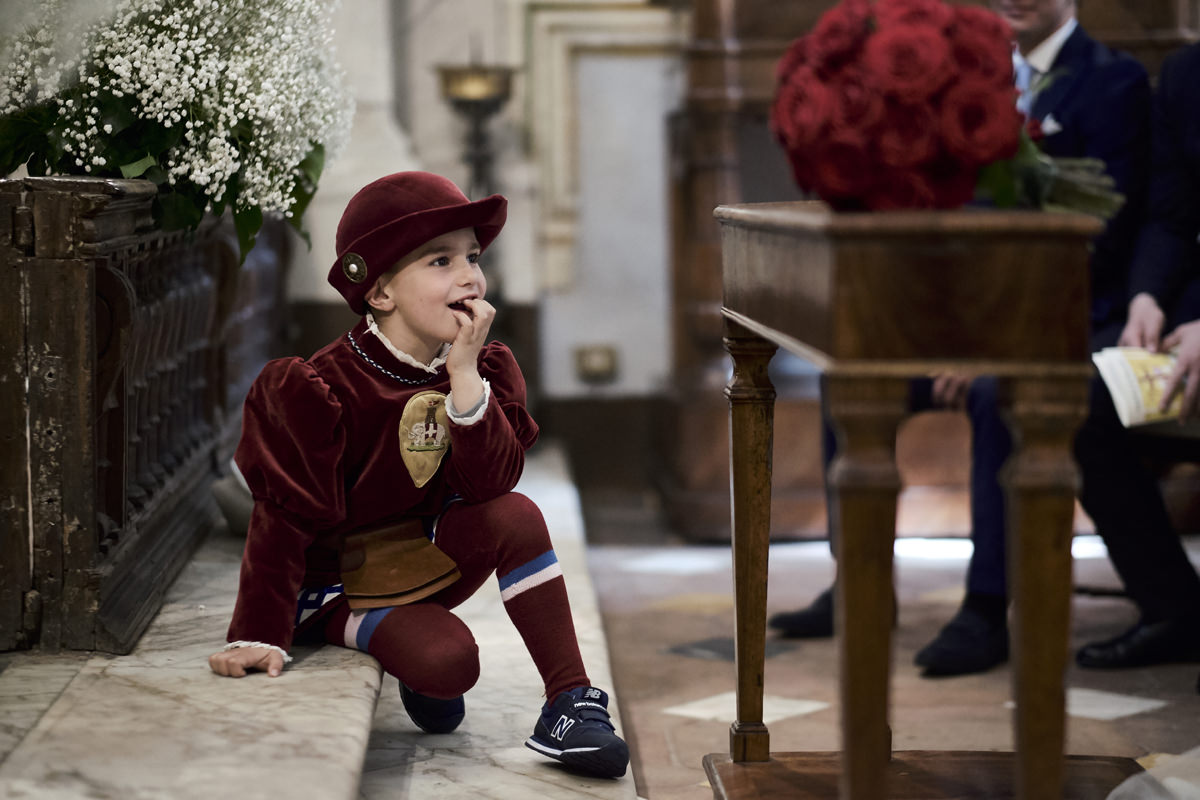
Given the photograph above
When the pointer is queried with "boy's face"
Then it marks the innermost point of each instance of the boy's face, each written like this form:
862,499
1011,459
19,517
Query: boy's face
426,287
1032,21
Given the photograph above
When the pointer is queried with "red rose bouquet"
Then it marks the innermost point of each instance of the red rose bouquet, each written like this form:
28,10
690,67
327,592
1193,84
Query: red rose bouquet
897,103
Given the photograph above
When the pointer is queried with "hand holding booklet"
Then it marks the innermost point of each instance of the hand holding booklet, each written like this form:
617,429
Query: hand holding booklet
1137,379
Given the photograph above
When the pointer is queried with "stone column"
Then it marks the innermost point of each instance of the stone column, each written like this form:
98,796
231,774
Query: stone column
378,145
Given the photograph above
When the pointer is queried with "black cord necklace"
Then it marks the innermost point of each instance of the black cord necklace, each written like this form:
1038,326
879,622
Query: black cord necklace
384,369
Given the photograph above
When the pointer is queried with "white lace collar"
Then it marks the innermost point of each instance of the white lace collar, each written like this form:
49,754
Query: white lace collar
404,357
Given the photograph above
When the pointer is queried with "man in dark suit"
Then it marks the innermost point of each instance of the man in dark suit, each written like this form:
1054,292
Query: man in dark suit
1088,101
1119,493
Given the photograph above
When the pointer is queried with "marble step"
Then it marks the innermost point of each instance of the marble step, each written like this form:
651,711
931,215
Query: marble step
158,724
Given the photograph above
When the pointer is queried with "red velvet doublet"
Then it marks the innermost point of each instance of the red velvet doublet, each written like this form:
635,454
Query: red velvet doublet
321,450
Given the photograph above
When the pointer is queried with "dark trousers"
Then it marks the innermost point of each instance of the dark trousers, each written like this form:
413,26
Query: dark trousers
1119,493
991,445
1124,500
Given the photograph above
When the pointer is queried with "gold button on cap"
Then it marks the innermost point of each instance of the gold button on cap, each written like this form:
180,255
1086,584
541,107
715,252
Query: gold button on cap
354,267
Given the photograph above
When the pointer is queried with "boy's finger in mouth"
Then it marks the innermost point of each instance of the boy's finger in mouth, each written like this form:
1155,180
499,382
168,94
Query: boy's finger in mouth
461,306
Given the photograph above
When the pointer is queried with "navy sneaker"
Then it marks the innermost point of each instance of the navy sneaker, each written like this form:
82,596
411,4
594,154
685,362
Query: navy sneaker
431,714
577,730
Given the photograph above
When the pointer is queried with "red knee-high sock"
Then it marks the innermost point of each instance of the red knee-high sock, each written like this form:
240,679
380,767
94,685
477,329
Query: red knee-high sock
542,615
508,535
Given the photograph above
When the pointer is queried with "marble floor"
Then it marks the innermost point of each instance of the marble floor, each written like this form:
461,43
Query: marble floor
159,725
668,616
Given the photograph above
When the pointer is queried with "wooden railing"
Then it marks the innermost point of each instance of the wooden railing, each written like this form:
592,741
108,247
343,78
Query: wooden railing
125,353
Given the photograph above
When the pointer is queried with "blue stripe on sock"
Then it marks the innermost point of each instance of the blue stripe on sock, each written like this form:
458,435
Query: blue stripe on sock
370,622
529,568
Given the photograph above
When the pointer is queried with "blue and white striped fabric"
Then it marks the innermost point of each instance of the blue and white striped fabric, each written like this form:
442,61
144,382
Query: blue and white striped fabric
311,600
530,574
361,624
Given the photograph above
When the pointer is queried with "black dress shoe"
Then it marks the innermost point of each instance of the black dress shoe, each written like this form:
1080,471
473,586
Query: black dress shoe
813,622
1143,645
970,642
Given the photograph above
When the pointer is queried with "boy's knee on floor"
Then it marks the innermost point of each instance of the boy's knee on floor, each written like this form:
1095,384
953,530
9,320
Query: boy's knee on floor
445,670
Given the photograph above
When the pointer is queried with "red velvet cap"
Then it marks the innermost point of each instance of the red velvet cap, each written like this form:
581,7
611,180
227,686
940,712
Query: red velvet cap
389,218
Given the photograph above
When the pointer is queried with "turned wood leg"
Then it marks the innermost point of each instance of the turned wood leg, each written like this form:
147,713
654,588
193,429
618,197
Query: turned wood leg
865,412
1040,480
751,417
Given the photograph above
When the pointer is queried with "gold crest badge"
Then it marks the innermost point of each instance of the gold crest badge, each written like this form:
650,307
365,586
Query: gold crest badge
424,435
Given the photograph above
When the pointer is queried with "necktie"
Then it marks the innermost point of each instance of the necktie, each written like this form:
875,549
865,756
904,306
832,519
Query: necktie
1024,82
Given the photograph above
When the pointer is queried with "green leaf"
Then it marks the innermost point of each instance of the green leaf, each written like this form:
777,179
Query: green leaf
228,198
12,153
309,174
297,223
243,131
1027,149
178,211
247,222
26,135
116,112
156,174
135,169
155,137
302,195
314,164
997,183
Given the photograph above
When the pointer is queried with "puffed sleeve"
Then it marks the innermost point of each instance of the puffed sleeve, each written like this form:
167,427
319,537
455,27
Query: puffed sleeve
487,457
291,456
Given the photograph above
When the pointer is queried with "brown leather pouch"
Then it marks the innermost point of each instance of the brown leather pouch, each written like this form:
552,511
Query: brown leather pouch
393,566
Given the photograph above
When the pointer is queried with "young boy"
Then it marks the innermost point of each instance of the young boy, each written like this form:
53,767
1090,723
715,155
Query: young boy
382,471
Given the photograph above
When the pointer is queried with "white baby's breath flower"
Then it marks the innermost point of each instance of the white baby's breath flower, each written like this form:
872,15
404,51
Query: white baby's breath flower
252,86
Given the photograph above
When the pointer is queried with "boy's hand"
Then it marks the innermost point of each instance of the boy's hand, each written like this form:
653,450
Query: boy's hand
473,327
463,361
234,663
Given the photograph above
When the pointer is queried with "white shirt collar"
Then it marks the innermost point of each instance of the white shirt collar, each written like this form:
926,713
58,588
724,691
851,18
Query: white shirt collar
1041,58
404,357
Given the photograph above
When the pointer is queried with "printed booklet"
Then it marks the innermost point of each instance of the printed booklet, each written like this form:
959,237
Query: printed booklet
1137,379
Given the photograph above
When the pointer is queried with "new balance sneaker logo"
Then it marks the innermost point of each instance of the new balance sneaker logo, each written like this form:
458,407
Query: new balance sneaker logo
561,727
577,730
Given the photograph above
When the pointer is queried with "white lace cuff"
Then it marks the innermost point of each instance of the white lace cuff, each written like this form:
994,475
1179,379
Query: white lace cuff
236,645
475,413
